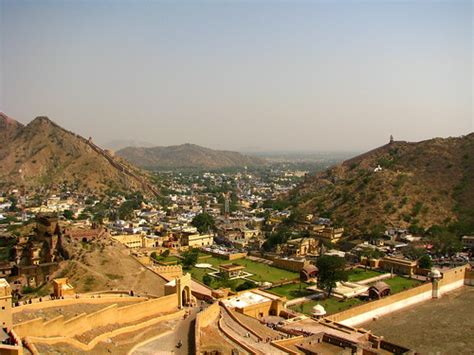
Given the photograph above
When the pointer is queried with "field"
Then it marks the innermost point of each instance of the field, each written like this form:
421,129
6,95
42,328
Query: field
359,274
331,305
292,291
261,272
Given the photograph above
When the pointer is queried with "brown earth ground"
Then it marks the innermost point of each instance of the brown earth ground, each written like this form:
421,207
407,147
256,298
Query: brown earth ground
106,265
442,326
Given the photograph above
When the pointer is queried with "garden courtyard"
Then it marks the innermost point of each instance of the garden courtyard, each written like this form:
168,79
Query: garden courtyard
259,272
334,305
297,290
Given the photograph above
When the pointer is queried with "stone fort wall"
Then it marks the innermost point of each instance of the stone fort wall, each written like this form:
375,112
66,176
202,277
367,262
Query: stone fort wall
104,336
75,301
203,319
169,272
113,314
452,279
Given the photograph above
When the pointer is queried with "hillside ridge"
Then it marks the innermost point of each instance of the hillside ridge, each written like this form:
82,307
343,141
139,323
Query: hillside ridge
400,184
44,153
186,156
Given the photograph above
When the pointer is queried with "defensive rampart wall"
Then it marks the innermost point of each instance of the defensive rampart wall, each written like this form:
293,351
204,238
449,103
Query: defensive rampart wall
203,319
113,314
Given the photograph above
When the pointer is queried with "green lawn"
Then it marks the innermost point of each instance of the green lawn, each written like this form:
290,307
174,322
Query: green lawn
334,305
359,274
261,272
398,284
168,259
292,291
331,305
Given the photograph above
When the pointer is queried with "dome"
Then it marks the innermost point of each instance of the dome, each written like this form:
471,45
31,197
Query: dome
309,269
318,310
435,273
381,286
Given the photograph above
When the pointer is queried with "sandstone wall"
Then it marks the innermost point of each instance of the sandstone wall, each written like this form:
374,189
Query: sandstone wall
82,323
204,319
75,301
452,279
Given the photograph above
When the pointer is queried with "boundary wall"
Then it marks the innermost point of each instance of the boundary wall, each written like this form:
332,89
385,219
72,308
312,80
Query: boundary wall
75,301
230,312
60,327
204,319
452,279
235,340
89,346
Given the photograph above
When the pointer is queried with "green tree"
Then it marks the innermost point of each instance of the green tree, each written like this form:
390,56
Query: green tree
190,258
68,214
207,280
204,222
370,254
278,237
166,253
331,270
446,243
413,253
425,262
247,285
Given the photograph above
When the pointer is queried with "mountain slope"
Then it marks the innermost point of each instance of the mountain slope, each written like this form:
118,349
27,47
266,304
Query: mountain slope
44,155
9,128
186,156
419,185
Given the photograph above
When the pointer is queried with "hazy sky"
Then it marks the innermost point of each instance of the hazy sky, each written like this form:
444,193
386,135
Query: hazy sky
244,75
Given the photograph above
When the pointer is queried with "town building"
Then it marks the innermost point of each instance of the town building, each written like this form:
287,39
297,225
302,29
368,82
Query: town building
255,303
197,240
329,234
398,265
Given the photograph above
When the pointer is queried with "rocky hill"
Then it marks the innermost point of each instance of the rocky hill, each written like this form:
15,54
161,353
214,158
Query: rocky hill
186,156
42,155
400,184
9,128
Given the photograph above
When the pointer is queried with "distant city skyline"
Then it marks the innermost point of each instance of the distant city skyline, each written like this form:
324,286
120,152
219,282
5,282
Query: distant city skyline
302,76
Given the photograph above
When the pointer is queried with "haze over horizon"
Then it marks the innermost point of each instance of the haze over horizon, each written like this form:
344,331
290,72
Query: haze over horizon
238,75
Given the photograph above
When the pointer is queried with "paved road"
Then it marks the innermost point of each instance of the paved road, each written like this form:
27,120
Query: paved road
166,344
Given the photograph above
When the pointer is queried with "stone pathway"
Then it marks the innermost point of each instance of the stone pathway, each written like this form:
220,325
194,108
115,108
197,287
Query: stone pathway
234,328
166,343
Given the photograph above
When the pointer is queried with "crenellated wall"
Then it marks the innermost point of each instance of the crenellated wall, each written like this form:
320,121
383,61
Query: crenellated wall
169,272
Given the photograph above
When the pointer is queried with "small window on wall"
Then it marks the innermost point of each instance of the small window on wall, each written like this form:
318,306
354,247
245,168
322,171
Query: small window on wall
3,308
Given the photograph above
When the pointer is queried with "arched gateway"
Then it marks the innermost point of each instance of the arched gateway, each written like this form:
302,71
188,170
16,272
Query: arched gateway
183,289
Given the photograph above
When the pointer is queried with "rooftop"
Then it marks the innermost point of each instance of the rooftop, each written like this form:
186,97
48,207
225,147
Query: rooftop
246,299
